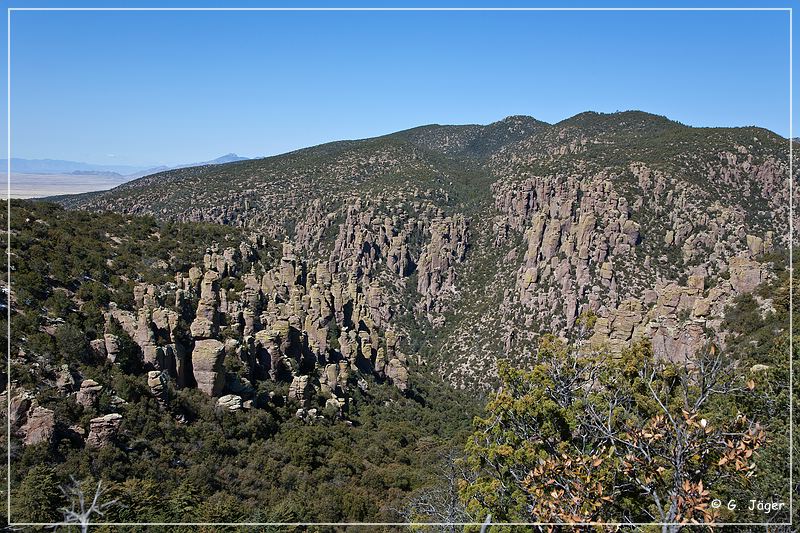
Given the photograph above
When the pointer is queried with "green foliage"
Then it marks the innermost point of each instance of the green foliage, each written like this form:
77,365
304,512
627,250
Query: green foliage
760,341
238,466
586,438
38,497
187,461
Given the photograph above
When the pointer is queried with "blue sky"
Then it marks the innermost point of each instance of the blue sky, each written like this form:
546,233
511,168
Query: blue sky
169,87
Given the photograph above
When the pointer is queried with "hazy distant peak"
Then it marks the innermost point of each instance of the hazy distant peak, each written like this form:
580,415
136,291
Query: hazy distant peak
227,158
59,166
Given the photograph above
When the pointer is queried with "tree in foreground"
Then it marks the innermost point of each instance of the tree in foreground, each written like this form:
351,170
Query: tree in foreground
594,438
83,508
439,502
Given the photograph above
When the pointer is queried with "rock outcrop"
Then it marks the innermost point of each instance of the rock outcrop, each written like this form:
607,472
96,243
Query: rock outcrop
89,393
207,359
679,320
206,323
103,430
300,389
470,241
436,273
157,382
745,274
39,426
229,402
112,346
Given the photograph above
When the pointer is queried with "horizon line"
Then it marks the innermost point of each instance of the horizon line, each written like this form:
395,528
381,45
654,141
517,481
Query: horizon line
146,166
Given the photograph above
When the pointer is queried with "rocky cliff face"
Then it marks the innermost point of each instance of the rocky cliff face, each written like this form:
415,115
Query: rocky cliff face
461,245
243,314
294,321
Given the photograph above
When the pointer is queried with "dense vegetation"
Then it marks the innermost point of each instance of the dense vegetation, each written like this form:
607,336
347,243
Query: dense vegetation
594,438
431,235
188,461
535,455
259,466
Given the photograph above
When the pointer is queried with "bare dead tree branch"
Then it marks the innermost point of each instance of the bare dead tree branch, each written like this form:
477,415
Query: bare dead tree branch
78,512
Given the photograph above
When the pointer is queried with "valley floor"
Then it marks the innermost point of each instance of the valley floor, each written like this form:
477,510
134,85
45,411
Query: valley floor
41,185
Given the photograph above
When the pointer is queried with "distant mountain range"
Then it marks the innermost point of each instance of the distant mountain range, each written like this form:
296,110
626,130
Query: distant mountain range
59,166
227,158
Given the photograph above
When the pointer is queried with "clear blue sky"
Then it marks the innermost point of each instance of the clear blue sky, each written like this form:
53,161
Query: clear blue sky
168,87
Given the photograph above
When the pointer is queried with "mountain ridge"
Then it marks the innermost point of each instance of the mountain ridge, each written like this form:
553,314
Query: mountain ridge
588,117
600,214
350,307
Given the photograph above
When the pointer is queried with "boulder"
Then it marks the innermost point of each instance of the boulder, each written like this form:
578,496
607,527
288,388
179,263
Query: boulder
746,274
98,348
397,373
631,231
39,427
300,389
333,404
606,271
229,402
207,359
206,322
112,345
157,381
755,244
19,406
103,430
702,307
89,393
195,275
697,282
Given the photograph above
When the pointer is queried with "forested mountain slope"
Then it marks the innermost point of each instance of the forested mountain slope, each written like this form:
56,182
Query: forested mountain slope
309,337
481,238
128,366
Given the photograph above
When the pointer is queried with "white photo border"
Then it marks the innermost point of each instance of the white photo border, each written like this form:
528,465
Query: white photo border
788,10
